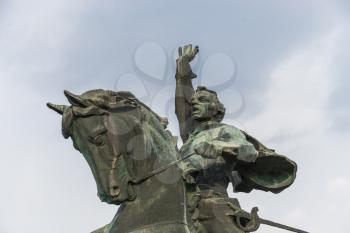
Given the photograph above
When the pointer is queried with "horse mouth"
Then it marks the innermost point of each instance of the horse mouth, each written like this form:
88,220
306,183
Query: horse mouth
109,198
113,200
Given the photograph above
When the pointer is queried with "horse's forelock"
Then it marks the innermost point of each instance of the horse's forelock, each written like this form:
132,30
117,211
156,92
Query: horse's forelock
99,102
95,102
72,112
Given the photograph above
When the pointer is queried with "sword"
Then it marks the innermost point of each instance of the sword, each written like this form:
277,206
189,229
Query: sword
281,226
255,221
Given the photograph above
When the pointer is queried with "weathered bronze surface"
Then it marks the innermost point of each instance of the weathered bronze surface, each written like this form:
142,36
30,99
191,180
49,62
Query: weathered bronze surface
123,142
136,164
222,154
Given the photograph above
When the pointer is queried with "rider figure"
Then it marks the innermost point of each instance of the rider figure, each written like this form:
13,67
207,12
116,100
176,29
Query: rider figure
219,153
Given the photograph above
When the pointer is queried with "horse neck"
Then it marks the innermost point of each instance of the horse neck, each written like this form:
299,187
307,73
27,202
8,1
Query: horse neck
163,187
152,148
159,201
161,198
166,186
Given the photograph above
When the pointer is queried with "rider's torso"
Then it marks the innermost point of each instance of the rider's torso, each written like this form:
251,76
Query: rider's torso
209,174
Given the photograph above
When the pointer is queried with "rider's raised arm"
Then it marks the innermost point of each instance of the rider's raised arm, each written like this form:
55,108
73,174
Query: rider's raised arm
184,90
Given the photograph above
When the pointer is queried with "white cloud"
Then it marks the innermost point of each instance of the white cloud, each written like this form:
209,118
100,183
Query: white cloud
297,97
340,186
33,36
296,112
46,173
296,217
336,202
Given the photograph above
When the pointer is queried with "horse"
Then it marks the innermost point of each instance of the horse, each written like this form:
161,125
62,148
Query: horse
133,159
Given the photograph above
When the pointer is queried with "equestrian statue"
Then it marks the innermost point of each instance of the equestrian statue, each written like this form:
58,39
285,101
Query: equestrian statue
159,187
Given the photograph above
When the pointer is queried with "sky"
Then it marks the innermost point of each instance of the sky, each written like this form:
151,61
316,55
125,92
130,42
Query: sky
279,66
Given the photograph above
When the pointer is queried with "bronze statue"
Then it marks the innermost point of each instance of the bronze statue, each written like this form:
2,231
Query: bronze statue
160,189
222,154
127,148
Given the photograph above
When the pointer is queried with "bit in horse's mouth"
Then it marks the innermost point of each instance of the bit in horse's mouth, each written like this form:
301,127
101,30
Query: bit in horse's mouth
111,201
108,198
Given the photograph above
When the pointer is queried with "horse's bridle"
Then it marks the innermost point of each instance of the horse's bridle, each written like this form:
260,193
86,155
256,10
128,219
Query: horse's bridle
161,169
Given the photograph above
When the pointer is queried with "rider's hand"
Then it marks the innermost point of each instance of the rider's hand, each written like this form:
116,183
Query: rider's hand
207,150
186,55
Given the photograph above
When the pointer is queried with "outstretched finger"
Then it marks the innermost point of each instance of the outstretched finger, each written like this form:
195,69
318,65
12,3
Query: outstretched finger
196,50
180,51
185,50
190,47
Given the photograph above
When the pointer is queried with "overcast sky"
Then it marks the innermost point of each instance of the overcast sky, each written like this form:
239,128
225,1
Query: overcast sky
279,66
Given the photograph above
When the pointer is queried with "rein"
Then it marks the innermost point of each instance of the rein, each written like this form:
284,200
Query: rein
161,169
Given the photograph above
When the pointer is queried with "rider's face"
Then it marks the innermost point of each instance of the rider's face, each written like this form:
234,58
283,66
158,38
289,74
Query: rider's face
204,106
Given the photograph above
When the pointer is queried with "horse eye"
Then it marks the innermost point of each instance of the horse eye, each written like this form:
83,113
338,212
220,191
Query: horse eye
98,141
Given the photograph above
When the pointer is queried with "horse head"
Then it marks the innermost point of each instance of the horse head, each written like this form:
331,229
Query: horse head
109,128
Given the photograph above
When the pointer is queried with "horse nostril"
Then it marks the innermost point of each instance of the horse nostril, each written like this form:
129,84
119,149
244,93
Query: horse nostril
114,191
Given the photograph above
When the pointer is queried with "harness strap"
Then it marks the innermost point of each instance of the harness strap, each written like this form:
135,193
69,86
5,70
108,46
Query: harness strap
161,169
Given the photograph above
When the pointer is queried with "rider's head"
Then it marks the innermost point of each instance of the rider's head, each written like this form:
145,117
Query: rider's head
206,105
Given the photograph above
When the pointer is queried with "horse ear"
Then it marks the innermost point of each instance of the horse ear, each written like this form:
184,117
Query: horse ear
75,99
57,108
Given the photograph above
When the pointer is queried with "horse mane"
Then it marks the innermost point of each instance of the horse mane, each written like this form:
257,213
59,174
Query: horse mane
99,102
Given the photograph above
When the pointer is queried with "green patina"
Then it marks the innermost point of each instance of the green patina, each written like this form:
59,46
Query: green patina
162,189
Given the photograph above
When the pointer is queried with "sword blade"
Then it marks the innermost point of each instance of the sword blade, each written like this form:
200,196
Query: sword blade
278,225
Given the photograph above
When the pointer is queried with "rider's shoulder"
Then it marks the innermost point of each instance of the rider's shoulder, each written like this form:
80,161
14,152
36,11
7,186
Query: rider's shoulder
231,130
